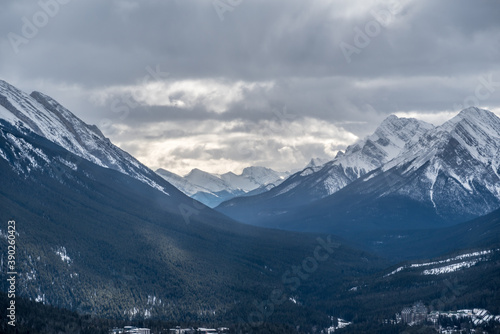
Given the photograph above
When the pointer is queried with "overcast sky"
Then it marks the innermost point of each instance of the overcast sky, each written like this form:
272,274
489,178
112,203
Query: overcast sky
220,85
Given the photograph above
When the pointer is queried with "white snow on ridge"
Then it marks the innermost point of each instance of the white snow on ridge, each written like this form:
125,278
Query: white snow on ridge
333,184
317,163
69,164
307,171
370,177
462,154
477,130
250,179
46,124
480,256
450,268
432,174
181,183
456,258
397,270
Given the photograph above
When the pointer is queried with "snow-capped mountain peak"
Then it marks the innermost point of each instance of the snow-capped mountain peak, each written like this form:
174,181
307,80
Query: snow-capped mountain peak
395,133
392,136
481,117
212,182
462,157
475,130
44,116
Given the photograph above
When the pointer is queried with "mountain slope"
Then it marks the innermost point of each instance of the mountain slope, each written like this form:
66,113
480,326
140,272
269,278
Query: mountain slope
399,245
314,183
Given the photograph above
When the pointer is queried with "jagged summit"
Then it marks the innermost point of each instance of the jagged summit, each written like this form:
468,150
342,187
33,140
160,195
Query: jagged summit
195,172
473,130
318,162
476,113
386,143
482,123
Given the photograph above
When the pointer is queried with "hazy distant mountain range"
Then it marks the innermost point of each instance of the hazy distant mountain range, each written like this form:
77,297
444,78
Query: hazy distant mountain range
213,189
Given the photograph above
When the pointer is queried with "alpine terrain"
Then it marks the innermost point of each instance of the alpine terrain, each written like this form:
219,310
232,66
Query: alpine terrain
420,176
213,189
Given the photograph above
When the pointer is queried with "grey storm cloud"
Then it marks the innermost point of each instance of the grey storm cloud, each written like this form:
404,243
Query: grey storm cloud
181,70
98,43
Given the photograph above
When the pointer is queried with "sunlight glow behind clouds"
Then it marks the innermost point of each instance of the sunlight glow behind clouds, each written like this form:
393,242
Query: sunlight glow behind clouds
214,95
281,145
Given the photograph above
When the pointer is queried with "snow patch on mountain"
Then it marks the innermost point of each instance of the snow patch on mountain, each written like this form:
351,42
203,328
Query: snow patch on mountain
474,257
450,268
432,174
3,155
24,157
61,251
